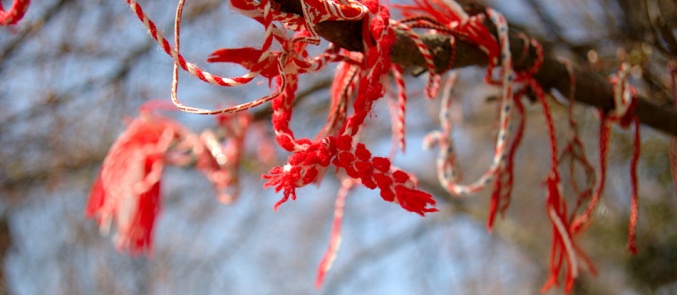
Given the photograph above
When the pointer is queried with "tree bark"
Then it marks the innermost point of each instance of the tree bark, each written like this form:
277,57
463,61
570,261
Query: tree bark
591,89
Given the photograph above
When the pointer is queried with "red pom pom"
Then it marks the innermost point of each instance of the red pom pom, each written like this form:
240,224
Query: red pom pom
310,176
344,142
369,183
362,153
311,159
352,172
382,180
415,200
381,164
345,159
324,158
364,168
387,195
285,142
297,158
401,176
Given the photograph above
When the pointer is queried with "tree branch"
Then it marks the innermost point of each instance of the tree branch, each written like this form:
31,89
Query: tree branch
591,89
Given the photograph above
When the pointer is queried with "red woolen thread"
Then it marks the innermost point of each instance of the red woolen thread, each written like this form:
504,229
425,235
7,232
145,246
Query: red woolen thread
303,167
282,113
451,15
625,101
377,172
536,65
672,66
377,61
564,245
127,190
582,221
634,209
623,108
536,88
15,13
511,156
575,149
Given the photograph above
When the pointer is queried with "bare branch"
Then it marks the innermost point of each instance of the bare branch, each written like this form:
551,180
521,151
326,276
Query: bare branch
591,88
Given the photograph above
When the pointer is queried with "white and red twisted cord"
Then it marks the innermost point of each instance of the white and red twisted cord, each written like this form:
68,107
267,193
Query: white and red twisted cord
503,185
341,90
399,112
282,104
502,190
344,151
446,171
446,158
196,71
623,96
377,65
267,63
399,129
433,81
347,184
316,11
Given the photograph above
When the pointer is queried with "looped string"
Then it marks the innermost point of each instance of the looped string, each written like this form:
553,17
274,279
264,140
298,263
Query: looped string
194,69
575,149
262,61
431,89
445,161
625,100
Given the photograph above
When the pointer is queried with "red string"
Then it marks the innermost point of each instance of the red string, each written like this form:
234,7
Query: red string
634,209
361,76
581,222
575,149
672,66
399,128
15,13
329,256
564,247
625,102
